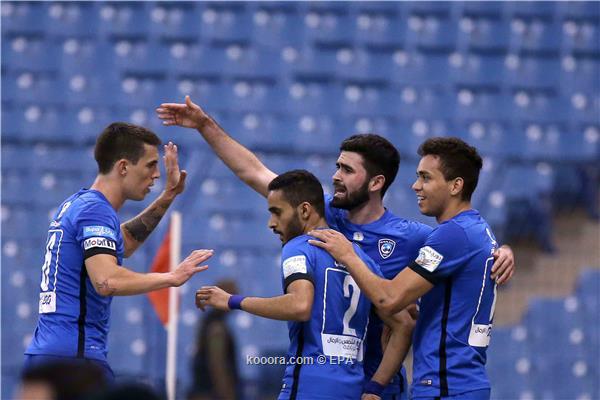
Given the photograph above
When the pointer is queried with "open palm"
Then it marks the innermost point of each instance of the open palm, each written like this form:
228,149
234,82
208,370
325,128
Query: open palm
187,115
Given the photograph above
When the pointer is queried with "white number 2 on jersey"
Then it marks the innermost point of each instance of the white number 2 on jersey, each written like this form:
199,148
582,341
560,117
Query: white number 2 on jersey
349,281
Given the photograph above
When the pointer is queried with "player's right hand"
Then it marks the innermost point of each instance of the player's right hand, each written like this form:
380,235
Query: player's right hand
189,267
188,115
212,296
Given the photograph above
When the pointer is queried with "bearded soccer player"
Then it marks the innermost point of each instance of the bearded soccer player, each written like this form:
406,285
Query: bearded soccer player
327,314
451,276
366,167
86,245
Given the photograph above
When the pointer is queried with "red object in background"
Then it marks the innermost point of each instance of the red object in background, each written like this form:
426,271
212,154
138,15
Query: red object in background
160,298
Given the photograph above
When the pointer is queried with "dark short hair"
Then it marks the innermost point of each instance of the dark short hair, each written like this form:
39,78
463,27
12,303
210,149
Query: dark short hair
457,159
122,140
381,157
299,186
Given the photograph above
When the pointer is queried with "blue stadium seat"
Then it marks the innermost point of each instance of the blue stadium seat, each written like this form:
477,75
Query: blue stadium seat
22,18
30,87
533,73
307,133
139,57
535,36
469,69
276,24
34,121
361,66
175,21
308,62
431,32
379,24
485,34
369,100
327,27
308,97
249,62
416,68
224,22
70,19
122,19
86,56
29,53
83,124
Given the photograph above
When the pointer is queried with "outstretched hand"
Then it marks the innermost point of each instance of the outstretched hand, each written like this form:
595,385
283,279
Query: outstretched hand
187,115
189,267
175,177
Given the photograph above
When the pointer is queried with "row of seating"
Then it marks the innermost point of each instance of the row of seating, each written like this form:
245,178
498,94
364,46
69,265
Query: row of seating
295,22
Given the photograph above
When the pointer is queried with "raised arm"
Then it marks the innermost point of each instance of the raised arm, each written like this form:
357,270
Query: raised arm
295,305
111,279
136,230
242,162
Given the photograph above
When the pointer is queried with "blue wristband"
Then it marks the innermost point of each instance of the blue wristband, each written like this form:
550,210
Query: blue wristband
375,388
235,302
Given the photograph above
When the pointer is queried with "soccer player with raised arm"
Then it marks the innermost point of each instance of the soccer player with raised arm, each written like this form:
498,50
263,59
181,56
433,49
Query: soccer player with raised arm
328,314
86,245
366,167
451,276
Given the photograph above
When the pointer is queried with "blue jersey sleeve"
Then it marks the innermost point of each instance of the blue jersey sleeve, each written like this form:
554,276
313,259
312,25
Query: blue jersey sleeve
97,230
296,262
443,253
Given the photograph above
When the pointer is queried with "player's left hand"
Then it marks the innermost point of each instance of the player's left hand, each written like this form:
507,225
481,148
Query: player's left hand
212,296
370,396
333,242
175,178
504,264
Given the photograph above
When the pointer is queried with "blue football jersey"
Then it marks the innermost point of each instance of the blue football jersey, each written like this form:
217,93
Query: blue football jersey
73,317
393,243
455,321
334,336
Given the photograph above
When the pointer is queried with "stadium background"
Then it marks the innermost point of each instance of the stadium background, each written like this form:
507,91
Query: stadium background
290,80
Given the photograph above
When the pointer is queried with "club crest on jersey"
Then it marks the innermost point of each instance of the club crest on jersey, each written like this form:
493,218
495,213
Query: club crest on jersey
386,247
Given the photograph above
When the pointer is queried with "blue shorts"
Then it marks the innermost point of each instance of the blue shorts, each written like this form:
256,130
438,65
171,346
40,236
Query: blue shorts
35,360
482,394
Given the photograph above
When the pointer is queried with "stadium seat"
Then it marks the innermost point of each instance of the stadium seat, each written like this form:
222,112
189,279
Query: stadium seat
70,19
276,24
29,53
22,18
122,20
381,25
224,22
179,21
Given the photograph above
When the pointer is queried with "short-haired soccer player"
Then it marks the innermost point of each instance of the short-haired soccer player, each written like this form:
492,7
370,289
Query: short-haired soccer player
366,167
451,276
86,245
328,314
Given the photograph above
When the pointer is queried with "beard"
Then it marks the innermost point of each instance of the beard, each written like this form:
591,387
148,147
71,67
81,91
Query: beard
352,200
294,228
